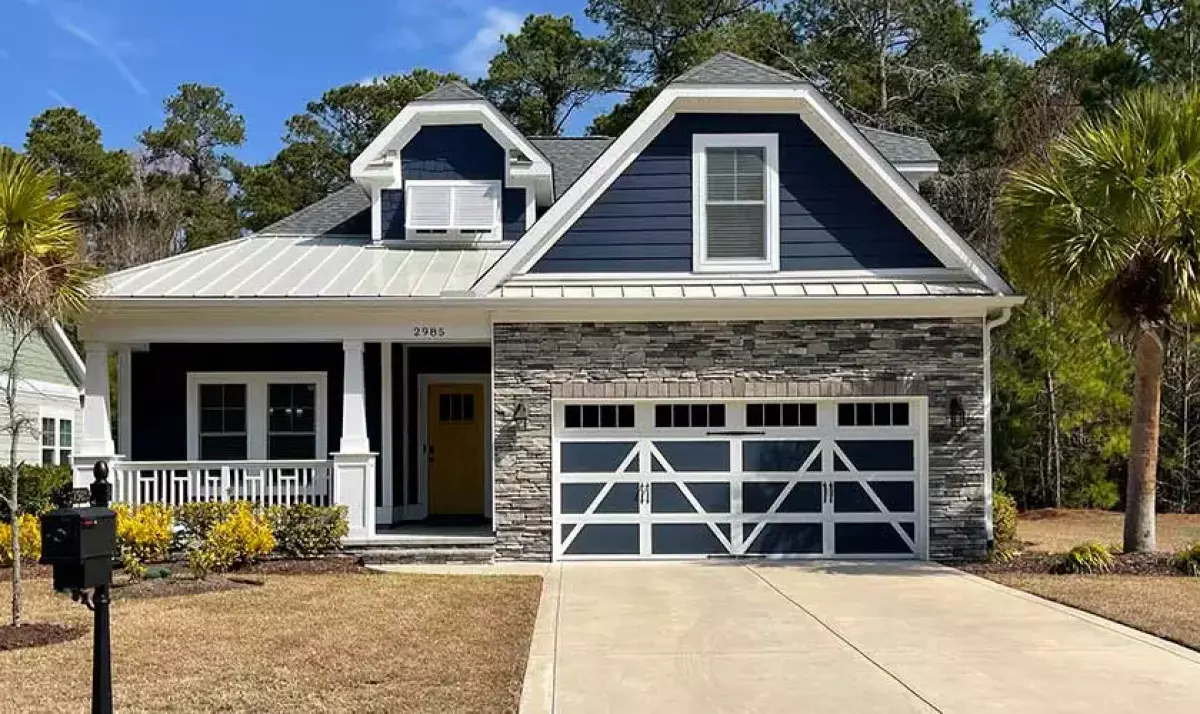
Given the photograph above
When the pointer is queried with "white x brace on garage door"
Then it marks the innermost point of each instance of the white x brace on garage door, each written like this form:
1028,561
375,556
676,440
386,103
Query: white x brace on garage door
754,477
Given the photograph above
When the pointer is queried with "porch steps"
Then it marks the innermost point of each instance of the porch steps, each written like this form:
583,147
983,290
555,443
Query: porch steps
478,551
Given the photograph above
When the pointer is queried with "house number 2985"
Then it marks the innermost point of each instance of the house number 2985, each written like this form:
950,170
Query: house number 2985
428,331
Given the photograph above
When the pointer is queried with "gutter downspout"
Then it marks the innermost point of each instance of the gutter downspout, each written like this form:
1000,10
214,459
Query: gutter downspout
988,326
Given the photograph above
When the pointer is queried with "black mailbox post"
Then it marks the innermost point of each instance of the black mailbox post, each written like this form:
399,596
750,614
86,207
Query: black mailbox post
80,543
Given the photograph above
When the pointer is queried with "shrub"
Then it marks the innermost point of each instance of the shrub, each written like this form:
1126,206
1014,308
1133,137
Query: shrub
242,537
302,530
30,536
1091,557
38,490
1004,519
143,535
1187,561
197,519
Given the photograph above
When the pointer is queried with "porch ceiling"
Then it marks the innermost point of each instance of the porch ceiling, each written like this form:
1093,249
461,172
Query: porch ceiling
303,267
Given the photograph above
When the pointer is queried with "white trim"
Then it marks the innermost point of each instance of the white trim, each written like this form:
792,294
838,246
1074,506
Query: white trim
366,170
376,193
701,143
387,457
411,511
930,167
892,275
530,208
256,407
424,381
67,355
863,159
124,400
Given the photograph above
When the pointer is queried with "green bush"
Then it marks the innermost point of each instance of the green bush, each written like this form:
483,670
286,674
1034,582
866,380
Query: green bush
1186,561
1004,519
242,537
38,490
1091,557
302,530
197,519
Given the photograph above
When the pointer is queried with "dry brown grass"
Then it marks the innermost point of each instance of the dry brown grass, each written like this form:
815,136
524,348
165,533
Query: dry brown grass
367,643
1056,531
1161,605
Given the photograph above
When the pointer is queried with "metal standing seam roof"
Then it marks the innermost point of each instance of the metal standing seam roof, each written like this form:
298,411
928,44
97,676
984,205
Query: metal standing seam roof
726,289
298,267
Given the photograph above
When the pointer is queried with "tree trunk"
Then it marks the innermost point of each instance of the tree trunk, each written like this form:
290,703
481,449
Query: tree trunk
1140,488
10,399
1055,454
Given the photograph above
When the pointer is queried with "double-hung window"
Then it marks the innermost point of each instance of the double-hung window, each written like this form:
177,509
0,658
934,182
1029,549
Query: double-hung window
455,209
58,435
256,415
735,202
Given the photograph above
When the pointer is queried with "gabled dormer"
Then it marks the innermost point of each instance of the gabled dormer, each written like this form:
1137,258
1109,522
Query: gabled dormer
450,169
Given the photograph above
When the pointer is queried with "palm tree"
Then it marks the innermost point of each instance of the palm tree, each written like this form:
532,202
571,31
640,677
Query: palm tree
1109,216
41,280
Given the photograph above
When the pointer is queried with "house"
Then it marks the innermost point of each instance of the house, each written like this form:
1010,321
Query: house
735,329
49,384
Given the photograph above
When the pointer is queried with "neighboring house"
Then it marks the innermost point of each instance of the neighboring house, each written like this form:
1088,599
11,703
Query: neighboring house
49,385
736,328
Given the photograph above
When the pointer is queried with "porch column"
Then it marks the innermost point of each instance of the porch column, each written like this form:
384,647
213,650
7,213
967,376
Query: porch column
354,464
95,441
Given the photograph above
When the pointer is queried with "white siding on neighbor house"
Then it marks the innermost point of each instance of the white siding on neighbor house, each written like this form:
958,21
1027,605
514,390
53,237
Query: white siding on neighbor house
45,391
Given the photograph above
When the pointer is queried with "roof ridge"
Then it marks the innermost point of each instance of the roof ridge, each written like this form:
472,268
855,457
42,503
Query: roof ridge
728,55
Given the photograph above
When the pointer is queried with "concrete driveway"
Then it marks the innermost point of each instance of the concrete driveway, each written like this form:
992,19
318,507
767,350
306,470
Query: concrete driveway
632,638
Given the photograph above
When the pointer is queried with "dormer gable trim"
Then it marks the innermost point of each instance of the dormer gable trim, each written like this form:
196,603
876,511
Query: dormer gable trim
860,156
379,164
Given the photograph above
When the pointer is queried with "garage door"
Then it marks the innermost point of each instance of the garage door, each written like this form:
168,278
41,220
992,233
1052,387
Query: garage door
675,479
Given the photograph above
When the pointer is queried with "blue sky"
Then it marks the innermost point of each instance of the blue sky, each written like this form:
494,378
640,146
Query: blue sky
116,60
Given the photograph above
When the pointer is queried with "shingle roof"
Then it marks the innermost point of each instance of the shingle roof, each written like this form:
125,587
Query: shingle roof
570,156
728,68
451,92
899,148
346,211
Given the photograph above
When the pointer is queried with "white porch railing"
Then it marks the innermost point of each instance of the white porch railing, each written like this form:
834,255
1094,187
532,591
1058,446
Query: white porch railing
268,483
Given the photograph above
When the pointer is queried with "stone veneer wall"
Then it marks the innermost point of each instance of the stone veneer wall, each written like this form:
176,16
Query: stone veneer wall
940,358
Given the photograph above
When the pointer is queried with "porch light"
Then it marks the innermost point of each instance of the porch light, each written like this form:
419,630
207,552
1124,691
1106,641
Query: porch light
958,415
520,417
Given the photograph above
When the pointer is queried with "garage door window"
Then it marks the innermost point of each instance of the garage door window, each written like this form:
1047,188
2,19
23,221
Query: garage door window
873,414
781,414
679,416
598,416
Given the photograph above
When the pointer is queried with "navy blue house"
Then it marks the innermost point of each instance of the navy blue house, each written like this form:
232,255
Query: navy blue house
736,329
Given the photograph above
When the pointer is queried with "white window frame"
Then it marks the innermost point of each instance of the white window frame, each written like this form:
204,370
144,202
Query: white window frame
59,416
256,407
701,143
453,232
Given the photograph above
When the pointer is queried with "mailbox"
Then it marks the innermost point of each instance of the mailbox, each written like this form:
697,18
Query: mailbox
80,543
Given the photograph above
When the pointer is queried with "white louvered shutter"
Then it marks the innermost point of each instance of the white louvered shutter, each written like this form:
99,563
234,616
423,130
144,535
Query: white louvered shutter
736,206
475,206
429,206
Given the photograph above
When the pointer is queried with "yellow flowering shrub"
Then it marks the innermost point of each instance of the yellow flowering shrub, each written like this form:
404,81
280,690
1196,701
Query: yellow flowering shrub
30,536
242,537
143,535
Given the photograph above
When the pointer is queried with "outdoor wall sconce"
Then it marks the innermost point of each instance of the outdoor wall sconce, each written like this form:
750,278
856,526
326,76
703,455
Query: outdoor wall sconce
958,415
520,417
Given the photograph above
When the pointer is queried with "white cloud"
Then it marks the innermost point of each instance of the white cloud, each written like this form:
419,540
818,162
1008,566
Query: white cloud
69,18
472,60
59,100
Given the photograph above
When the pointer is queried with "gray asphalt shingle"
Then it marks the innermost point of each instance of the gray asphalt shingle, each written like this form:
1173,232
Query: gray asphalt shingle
346,211
570,156
451,92
728,68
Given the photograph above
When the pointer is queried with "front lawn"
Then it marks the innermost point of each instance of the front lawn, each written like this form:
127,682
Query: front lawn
1058,530
344,642
1142,590
1165,606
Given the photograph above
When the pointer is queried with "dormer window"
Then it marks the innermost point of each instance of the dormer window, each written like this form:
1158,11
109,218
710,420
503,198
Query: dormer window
456,209
735,202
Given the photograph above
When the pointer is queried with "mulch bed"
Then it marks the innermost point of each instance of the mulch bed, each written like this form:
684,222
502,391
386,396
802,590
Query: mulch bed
330,565
176,586
37,634
1045,563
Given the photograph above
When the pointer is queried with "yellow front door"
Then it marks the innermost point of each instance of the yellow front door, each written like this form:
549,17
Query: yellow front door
455,425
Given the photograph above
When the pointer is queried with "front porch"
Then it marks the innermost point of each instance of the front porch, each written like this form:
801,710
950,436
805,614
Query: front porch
398,433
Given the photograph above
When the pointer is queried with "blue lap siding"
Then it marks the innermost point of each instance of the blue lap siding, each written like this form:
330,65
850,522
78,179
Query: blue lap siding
453,153
643,221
